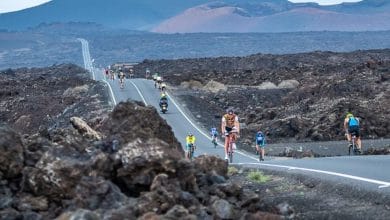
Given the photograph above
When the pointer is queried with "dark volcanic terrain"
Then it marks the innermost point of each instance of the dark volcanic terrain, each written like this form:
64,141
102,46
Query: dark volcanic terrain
293,98
115,166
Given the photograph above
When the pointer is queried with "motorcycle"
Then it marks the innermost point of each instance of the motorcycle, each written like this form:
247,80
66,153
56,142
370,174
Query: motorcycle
164,108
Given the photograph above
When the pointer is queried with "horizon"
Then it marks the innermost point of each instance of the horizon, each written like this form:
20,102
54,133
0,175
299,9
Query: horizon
7,6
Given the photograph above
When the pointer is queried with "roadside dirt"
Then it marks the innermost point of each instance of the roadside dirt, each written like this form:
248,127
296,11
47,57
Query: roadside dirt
302,197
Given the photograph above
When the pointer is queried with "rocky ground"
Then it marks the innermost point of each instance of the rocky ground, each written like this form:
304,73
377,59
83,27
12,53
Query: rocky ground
293,98
111,165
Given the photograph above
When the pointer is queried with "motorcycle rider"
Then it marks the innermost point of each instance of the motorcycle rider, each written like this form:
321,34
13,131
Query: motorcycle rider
163,100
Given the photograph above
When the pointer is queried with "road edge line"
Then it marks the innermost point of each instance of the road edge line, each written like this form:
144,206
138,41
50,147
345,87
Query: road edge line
111,92
382,184
200,131
139,92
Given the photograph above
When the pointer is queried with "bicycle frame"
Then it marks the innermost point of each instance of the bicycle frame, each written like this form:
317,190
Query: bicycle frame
190,153
353,146
230,146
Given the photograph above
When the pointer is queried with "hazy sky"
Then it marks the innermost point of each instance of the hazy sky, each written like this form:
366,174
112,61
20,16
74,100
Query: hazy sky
326,2
15,5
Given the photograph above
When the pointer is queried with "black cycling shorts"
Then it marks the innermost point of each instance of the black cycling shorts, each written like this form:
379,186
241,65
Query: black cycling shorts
227,129
354,130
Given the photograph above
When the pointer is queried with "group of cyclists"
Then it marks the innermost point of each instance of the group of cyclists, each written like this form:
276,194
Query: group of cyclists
230,130
110,74
230,126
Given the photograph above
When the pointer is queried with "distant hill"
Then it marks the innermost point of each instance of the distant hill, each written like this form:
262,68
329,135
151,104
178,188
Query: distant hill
280,16
129,14
171,16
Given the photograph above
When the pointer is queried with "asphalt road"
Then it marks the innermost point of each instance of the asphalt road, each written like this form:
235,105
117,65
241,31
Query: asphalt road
367,172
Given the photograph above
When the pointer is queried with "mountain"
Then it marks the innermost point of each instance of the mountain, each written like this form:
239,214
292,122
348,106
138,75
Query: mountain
280,16
171,16
130,14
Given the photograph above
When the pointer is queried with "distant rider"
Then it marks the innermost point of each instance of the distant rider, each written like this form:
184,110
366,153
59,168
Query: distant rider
163,86
214,133
229,123
121,77
260,144
163,100
159,81
352,125
190,140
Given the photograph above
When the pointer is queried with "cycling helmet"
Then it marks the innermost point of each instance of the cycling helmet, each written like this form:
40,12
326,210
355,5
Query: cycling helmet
190,134
229,110
349,114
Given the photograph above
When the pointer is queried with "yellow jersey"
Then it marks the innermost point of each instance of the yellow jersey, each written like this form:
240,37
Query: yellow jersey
190,139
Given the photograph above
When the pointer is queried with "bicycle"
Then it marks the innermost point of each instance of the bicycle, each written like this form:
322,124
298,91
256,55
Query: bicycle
352,147
122,83
190,153
214,141
230,149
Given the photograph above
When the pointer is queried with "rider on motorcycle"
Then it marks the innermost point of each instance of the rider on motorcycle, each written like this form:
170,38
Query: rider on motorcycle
163,100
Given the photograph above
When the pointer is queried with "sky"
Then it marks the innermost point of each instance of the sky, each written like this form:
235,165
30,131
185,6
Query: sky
16,5
325,2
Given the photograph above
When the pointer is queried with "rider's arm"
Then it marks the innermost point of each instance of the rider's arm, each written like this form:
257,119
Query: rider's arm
346,125
223,125
237,124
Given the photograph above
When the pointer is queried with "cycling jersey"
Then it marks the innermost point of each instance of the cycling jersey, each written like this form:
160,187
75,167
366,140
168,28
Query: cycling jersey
214,132
260,139
190,139
353,122
230,119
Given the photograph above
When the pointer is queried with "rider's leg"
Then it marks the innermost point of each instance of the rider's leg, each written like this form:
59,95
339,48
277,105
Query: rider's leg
349,138
187,152
359,143
226,146
262,152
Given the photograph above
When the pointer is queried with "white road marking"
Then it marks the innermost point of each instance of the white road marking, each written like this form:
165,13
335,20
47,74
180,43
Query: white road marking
200,131
382,184
139,92
111,91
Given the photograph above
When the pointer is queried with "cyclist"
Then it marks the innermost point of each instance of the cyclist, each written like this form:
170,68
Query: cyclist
190,141
260,144
121,77
147,73
352,125
112,74
159,81
230,124
214,135
155,79
163,86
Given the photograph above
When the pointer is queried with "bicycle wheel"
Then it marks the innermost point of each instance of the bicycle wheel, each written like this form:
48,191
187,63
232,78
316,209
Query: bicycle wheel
349,149
230,153
214,142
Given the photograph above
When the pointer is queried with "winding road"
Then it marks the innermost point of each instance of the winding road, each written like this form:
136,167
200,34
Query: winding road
362,172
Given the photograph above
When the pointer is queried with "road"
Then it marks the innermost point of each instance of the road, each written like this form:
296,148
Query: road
368,172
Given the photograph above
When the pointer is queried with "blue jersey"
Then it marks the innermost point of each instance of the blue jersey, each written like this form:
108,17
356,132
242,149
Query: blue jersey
214,132
353,122
260,138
